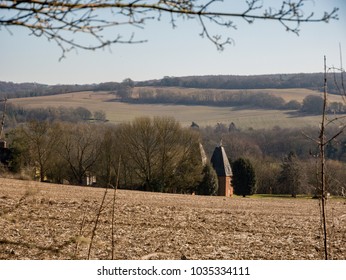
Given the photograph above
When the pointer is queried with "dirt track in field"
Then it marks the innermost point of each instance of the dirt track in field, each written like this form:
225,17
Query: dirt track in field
45,221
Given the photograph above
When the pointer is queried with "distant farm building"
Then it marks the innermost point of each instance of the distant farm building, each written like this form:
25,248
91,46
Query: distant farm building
223,170
89,179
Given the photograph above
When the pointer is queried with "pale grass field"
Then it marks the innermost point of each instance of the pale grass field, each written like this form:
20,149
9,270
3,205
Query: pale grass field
118,112
46,221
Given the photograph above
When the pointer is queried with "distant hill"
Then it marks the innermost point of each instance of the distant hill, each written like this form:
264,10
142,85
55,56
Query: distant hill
313,81
18,90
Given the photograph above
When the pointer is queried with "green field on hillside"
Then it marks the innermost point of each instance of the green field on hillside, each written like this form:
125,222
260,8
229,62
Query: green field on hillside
118,112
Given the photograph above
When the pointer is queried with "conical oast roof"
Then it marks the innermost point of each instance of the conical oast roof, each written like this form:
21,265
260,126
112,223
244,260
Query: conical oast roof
203,154
220,162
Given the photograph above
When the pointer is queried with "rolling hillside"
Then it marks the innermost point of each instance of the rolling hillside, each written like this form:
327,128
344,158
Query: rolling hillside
118,112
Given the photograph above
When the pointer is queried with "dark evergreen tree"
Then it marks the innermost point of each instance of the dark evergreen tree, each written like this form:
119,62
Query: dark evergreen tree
209,184
244,177
289,180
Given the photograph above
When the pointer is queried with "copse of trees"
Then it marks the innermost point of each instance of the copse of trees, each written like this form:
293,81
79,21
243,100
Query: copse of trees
156,154
37,142
16,115
57,152
163,155
201,97
313,105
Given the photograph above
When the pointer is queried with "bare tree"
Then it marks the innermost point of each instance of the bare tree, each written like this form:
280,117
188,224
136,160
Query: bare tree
322,141
65,22
160,153
141,149
38,140
79,149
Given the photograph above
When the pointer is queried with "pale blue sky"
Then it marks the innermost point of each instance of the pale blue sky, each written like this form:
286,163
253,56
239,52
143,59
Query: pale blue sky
260,48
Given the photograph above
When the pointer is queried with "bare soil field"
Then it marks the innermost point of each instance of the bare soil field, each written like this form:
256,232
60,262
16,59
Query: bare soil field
46,221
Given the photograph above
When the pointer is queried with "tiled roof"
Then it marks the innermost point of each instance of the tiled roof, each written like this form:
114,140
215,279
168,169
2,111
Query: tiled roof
220,162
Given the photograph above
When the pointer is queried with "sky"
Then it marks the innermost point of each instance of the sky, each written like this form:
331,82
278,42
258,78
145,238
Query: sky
264,47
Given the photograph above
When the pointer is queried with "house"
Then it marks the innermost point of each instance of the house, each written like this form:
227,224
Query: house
220,163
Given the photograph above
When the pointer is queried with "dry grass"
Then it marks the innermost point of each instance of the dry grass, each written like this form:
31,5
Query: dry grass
118,112
44,221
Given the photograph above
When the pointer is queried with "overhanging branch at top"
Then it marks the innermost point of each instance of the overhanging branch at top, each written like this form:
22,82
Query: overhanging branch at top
63,21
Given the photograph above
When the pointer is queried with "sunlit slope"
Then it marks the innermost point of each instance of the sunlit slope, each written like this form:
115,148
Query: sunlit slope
118,112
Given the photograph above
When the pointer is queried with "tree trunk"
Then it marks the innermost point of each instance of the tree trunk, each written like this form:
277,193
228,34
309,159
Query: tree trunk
322,143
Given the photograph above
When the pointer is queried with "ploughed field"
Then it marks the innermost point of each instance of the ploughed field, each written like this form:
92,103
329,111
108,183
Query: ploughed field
46,221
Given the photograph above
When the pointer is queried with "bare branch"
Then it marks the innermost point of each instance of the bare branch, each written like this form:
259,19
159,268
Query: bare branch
342,71
60,20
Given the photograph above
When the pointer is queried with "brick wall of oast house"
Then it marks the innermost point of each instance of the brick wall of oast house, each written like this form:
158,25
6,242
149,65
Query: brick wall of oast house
225,187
